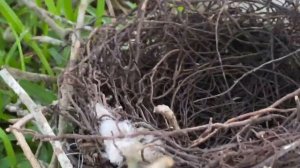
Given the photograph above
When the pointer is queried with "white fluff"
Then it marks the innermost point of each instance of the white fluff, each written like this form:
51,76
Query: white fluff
101,111
128,147
113,148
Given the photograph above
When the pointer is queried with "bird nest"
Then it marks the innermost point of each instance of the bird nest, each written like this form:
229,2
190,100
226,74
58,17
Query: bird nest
228,70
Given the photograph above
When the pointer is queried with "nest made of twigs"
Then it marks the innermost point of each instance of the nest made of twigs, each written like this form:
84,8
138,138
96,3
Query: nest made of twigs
212,62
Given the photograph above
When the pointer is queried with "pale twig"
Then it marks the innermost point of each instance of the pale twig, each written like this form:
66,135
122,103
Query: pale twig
76,34
44,16
66,21
40,119
110,9
34,77
168,114
22,141
49,40
66,87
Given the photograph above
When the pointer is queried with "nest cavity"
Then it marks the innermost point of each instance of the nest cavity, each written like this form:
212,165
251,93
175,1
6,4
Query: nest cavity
210,62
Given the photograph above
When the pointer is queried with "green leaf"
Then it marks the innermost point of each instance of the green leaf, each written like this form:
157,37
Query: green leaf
100,12
4,100
4,162
51,7
59,59
180,8
91,10
10,54
11,17
9,149
22,161
2,56
16,24
38,92
45,153
131,5
18,41
68,10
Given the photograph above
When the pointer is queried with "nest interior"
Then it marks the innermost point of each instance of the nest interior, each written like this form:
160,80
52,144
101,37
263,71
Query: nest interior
220,65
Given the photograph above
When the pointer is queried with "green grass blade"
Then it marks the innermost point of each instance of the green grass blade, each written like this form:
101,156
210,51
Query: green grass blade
18,41
11,53
38,3
17,26
51,7
9,149
38,92
100,12
42,58
11,17
68,10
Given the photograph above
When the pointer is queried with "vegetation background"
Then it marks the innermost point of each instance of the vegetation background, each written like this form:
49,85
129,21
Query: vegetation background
29,44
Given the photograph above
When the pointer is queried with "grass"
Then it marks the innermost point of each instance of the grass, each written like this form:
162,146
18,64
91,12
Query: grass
18,24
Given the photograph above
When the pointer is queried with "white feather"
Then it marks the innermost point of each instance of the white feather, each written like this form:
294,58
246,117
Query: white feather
114,148
128,147
101,111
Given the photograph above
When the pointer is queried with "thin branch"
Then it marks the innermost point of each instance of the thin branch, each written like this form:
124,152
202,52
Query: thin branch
165,134
44,16
166,112
49,40
284,150
248,73
40,119
34,77
22,141
298,107
76,35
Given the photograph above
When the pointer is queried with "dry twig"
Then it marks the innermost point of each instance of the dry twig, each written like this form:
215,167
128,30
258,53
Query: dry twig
22,141
40,119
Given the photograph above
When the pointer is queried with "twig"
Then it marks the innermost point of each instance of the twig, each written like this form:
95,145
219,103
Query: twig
286,97
164,134
34,77
66,21
168,114
284,150
40,119
110,9
22,141
43,16
248,73
49,40
66,86
298,107
224,7
139,28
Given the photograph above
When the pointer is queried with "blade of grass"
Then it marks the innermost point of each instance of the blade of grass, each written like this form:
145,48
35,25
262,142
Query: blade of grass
68,10
100,12
18,41
16,24
10,53
51,7
9,149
